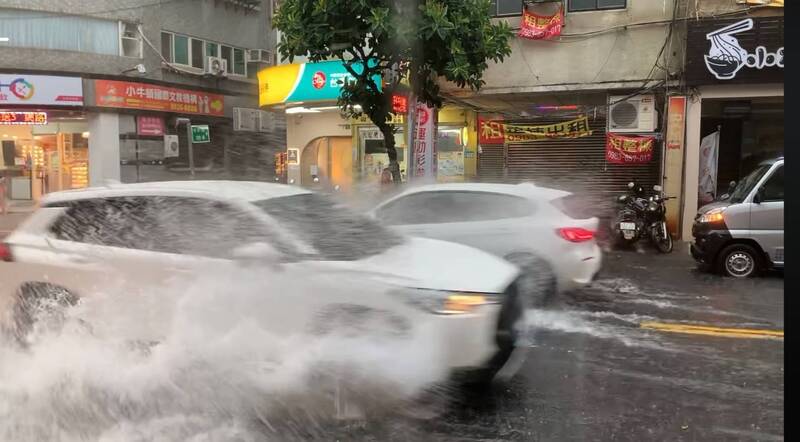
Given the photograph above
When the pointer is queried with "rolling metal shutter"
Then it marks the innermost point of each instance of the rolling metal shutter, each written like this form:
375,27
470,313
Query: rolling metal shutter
491,163
577,165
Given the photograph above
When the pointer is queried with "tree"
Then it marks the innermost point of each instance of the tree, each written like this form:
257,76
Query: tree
418,40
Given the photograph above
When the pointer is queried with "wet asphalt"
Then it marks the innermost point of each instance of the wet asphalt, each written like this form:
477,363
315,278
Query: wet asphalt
594,374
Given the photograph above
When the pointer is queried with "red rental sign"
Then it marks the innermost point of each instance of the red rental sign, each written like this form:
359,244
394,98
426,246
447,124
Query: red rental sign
540,27
130,95
490,130
399,104
621,149
149,126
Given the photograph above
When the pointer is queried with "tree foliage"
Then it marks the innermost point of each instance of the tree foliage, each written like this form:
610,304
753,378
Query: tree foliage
421,41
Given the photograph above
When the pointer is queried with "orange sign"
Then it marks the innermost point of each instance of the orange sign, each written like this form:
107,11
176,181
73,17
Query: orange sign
130,95
26,118
676,122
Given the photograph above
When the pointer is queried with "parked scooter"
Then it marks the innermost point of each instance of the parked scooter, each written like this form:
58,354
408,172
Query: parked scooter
640,216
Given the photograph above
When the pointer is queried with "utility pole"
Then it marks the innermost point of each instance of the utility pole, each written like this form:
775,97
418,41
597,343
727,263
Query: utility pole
188,123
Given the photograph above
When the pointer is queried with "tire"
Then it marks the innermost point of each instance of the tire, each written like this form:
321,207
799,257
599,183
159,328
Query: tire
39,303
739,261
664,245
537,282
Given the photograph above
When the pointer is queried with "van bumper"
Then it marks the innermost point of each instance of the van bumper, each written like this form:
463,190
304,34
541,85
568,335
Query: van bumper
707,244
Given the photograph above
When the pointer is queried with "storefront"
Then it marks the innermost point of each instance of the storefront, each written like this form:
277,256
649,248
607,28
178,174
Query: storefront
44,134
735,120
329,151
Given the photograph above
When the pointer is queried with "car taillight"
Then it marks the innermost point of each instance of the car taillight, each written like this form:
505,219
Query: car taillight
576,234
5,253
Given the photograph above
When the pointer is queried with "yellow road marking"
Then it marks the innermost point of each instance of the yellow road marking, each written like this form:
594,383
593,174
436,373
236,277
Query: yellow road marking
714,331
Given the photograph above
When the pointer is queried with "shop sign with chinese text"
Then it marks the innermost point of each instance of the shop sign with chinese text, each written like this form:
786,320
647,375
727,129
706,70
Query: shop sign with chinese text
676,122
498,132
306,82
130,95
149,126
629,149
539,27
423,141
23,118
40,90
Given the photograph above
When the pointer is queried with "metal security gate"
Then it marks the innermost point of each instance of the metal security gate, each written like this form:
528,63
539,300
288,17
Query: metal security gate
574,164
491,163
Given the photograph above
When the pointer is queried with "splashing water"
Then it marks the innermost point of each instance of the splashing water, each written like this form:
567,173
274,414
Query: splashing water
216,373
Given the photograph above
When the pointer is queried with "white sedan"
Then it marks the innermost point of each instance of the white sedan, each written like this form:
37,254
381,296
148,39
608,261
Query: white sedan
338,264
525,224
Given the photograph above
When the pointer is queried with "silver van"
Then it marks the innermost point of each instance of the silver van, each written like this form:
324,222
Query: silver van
741,234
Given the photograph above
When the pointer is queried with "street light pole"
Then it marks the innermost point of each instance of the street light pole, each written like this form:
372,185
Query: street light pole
188,123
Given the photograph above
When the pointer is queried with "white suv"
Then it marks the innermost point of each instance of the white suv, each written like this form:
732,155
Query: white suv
529,225
131,236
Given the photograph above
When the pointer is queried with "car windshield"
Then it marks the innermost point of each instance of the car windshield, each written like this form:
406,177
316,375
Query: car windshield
744,187
334,231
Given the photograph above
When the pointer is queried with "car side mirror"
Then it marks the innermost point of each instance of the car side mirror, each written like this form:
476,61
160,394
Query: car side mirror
657,188
257,252
731,186
630,185
724,196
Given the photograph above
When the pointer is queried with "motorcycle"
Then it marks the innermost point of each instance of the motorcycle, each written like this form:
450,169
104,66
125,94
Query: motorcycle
639,216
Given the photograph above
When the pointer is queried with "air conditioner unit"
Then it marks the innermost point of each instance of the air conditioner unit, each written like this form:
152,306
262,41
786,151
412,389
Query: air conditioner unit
634,114
216,66
266,121
259,56
245,120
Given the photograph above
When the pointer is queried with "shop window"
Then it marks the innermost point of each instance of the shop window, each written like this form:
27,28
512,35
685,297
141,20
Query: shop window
226,52
501,8
197,53
166,46
130,40
595,5
239,66
181,49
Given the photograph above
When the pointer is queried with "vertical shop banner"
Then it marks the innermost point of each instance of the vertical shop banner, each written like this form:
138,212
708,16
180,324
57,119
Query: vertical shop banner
541,27
629,149
490,130
423,141
149,126
707,178
676,122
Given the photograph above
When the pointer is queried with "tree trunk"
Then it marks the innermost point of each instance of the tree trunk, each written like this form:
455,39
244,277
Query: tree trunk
388,141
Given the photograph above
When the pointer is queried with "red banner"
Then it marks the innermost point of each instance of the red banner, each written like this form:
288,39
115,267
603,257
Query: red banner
490,129
634,149
540,27
126,94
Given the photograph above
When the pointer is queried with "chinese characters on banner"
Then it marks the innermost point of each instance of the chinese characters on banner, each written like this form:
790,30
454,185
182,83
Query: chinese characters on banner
399,104
497,132
23,118
676,119
634,149
125,94
423,142
540,27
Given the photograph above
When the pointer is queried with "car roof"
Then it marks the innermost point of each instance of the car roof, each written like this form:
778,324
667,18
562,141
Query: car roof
217,189
525,190
771,161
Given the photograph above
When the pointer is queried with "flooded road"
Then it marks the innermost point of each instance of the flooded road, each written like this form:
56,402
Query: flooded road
652,350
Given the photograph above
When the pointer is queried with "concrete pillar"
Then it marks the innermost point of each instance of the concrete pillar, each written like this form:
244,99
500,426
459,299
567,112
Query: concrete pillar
103,148
691,165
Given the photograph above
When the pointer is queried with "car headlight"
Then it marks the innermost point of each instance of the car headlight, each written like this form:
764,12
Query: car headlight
712,216
445,302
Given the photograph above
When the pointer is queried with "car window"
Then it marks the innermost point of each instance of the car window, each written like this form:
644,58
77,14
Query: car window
772,190
192,226
745,186
334,231
454,206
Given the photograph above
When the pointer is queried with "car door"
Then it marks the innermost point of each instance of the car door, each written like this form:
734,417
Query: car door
766,214
485,220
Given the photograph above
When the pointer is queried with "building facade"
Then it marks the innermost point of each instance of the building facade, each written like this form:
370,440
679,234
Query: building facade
115,86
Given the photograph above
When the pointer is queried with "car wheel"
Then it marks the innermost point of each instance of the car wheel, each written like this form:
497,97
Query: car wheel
537,282
739,261
39,304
